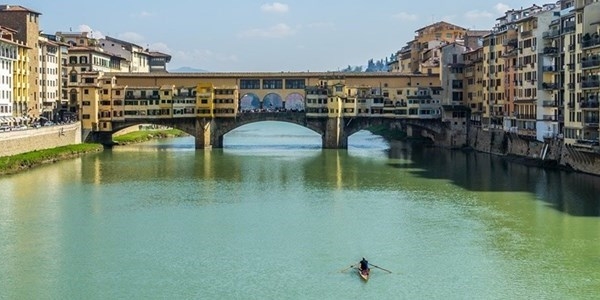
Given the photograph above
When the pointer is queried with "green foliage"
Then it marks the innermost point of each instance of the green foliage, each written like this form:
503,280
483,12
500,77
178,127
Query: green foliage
146,135
15,163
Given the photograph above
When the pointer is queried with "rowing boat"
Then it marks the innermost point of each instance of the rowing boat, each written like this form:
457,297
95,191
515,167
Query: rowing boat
364,274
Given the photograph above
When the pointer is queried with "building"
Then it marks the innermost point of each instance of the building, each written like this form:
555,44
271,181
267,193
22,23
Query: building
26,24
8,58
138,58
158,61
49,74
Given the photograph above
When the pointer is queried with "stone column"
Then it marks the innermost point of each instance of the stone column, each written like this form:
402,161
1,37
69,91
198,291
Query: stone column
335,136
204,130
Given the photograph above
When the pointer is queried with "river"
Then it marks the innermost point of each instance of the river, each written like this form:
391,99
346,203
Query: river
273,216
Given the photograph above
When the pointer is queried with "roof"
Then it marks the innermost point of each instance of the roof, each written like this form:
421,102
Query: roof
439,23
112,39
17,8
159,54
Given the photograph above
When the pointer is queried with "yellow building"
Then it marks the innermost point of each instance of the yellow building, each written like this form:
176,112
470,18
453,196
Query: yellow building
473,84
21,75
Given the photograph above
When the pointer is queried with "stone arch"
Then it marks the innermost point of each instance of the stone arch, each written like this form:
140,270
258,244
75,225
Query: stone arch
272,101
249,102
294,102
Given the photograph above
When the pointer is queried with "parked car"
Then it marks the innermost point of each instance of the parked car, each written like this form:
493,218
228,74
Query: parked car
4,128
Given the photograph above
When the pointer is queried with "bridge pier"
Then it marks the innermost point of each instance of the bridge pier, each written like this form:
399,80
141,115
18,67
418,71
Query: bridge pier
335,136
205,134
103,137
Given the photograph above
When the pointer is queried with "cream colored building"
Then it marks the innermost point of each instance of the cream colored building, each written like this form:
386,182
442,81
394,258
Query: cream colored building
582,118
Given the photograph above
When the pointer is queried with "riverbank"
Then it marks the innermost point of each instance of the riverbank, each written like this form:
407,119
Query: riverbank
20,162
146,135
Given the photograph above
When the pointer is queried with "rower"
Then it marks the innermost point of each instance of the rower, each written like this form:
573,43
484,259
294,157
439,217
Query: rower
364,264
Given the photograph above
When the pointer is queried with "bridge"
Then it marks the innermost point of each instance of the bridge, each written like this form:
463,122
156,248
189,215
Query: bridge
334,132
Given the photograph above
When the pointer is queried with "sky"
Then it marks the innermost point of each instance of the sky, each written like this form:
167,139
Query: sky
266,36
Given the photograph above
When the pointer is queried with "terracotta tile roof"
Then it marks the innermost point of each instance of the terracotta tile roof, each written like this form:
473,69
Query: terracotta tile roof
6,7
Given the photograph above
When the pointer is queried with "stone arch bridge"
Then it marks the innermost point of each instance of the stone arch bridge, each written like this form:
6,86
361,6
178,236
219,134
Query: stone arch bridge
209,132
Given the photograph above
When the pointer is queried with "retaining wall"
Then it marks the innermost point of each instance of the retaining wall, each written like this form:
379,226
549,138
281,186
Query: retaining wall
21,141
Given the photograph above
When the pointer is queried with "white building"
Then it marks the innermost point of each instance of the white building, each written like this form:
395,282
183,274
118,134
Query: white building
8,55
49,77
138,58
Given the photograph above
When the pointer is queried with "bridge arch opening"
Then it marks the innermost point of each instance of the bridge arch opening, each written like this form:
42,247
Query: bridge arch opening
273,135
366,140
294,102
249,102
272,102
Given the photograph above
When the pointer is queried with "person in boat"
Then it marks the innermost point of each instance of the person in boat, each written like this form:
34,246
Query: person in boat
364,264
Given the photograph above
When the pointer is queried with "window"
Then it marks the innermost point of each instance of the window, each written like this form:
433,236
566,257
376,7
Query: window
272,84
252,84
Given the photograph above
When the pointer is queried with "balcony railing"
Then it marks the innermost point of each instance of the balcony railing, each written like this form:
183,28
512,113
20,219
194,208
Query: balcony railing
591,121
525,117
590,62
550,118
589,104
551,34
569,27
549,104
587,84
550,51
550,86
593,42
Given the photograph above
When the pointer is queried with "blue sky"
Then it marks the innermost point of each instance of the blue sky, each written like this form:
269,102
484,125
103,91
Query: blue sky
249,35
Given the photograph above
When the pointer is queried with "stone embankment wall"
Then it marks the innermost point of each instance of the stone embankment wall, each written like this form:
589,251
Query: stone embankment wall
21,141
552,152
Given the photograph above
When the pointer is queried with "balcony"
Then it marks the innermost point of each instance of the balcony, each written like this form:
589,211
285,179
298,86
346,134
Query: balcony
572,47
569,27
511,42
549,104
550,51
525,117
591,121
549,69
590,62
590,84
552,118
551,34
590,43
550,86
526,34
589,104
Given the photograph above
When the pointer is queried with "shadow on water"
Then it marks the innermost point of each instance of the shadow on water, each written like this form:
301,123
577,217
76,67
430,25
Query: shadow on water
569,192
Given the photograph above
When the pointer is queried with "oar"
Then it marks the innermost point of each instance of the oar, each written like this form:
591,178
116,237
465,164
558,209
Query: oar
346,269
380,268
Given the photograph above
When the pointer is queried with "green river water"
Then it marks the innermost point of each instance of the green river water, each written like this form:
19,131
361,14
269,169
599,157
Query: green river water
273,216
